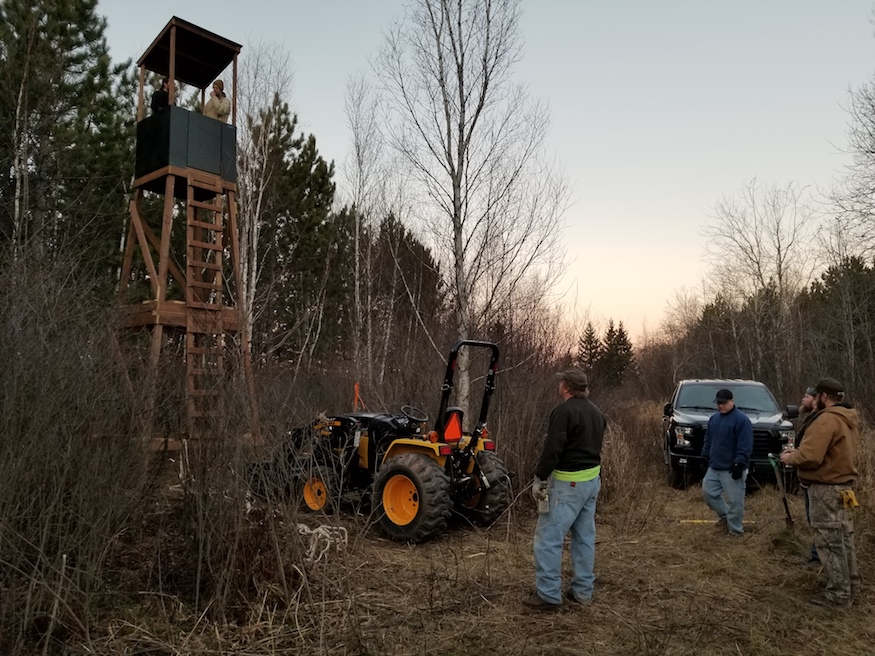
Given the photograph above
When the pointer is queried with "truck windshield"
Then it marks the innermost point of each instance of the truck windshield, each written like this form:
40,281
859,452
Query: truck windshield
750,398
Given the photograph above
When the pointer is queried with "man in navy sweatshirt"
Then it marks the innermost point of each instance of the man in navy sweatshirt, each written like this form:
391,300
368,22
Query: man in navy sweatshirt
728,443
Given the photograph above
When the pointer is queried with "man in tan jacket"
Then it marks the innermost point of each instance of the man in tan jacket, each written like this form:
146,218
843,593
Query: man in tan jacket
825,463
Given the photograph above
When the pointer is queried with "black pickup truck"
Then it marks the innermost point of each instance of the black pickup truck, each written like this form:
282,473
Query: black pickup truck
685,420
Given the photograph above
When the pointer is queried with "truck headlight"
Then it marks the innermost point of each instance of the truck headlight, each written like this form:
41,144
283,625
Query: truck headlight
786,436
683,435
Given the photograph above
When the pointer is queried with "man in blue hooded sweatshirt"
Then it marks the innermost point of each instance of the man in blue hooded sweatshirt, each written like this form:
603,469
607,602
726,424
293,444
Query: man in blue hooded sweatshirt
728,443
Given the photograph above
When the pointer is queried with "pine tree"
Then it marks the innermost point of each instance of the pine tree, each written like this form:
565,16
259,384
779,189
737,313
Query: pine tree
617,359
66,132
589,349
299,241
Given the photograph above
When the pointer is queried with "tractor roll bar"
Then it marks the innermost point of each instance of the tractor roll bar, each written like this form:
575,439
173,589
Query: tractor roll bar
447,387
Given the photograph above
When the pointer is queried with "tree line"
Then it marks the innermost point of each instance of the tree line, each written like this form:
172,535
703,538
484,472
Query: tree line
413,252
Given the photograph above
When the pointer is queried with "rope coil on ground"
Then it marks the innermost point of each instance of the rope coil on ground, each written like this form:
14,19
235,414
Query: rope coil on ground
321,539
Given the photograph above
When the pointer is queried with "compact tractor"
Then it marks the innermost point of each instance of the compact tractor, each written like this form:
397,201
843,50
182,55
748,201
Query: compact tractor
414,478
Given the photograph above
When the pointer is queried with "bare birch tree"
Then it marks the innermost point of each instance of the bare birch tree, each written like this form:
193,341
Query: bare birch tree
761,246
763,237
266,72
853,198
474,146
363,172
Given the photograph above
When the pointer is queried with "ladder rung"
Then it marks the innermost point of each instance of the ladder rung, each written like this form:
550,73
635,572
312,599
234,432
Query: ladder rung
213,207
200,371
215,227
205,285
203,306
205,244
198,264
205,183
208,225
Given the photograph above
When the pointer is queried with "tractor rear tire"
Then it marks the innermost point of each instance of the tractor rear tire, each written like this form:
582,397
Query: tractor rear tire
412,498
488,504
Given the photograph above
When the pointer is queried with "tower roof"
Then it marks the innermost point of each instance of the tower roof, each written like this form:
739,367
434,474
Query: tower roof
200,55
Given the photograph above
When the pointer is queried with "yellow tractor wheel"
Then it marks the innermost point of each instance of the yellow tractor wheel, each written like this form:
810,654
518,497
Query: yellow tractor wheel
315,493
412,497
400,500
317,487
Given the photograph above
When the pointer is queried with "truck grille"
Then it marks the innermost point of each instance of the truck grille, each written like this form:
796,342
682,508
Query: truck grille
764,443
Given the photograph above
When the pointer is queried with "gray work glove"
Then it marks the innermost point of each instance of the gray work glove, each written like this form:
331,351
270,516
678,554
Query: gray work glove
539,489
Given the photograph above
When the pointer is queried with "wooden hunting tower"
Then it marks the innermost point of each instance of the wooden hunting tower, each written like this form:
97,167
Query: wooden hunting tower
190,160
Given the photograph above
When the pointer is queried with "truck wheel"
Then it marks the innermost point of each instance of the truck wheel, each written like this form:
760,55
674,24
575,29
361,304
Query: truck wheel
412,497
487,504
678,476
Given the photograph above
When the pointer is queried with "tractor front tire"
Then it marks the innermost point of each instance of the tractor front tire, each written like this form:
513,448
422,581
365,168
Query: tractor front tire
317,488
488,504
412,498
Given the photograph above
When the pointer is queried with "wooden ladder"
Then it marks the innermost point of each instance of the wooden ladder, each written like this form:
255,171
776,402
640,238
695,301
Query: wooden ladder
205,335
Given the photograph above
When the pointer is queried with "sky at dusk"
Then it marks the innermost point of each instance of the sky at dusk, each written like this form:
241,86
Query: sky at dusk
659,109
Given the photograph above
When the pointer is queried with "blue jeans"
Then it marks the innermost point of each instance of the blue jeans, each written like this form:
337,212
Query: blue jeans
725,496
572,508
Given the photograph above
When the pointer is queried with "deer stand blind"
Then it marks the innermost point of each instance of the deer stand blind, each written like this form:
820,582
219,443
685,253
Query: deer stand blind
190,160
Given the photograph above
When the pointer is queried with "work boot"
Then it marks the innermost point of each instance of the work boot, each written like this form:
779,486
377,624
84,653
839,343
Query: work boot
533,600
824,599
569,594
721,525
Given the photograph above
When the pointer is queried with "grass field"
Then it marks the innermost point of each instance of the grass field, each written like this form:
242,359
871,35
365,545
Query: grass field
275,581
666,585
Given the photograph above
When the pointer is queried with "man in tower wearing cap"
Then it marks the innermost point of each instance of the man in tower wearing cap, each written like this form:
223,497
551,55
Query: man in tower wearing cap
825,463
571,459
218,106
727,448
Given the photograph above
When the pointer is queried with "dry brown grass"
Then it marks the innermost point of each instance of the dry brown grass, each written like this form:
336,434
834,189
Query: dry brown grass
664,587
667,585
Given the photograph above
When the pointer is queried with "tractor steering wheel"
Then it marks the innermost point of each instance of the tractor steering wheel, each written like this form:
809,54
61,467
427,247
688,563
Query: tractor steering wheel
414,414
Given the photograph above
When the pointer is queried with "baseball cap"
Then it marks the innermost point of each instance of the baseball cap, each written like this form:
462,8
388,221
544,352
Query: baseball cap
723,396
829,385
575,379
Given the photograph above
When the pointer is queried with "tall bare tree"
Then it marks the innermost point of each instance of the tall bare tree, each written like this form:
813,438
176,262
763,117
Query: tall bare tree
364,177
474,146
854,196
760,243
266,73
